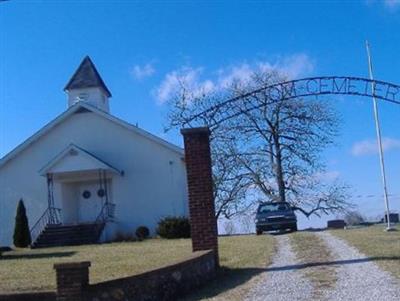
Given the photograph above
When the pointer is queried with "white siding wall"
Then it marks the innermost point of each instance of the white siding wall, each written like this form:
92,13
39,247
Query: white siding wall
154,184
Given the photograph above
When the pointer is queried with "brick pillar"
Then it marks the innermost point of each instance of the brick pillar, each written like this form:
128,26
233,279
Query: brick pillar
201,199
72,280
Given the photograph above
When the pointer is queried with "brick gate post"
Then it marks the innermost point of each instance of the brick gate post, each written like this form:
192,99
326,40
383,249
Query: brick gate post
200,187
72,280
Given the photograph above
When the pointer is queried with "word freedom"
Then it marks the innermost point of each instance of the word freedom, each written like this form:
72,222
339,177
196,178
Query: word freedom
310,86
333,85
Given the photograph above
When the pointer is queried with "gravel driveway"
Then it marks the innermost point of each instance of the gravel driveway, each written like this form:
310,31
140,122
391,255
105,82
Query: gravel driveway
358,278
281,282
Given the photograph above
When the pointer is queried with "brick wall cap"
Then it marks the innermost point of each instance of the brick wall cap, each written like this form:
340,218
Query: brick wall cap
198,130
71,265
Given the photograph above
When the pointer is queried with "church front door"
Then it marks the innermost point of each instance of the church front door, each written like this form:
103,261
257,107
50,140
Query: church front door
90,203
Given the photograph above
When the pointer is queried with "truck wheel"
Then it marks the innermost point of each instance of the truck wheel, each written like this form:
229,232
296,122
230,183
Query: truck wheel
294,228
259,232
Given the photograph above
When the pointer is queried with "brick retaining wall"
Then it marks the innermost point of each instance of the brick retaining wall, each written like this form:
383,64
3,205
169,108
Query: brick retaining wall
166,283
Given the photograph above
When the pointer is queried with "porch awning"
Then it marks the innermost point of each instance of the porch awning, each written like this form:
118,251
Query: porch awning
76,159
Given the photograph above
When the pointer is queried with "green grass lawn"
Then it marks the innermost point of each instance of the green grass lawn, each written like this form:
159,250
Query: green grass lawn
383,247
32,270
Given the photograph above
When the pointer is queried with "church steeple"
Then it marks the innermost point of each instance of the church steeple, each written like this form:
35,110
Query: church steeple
86,85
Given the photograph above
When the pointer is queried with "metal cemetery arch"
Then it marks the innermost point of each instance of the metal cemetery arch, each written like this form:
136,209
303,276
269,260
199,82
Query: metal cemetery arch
197,147
310,86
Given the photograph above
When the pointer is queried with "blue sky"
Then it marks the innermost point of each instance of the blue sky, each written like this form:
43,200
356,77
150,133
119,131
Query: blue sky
140,47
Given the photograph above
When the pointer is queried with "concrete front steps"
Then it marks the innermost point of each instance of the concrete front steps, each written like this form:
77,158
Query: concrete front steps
69,235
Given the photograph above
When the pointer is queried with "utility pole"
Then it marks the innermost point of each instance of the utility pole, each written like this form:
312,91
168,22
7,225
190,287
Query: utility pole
379,139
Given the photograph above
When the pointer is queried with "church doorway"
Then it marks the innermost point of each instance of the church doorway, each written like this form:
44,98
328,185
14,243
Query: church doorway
83,200
90,201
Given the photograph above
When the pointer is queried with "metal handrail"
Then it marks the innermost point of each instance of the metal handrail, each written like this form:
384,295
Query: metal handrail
111,211
51,216
106,213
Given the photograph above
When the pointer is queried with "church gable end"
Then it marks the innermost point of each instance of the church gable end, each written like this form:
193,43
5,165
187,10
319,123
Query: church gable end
82,108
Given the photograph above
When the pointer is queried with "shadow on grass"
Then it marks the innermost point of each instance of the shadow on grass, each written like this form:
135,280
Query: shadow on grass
287,232
37,256
328,263
227,279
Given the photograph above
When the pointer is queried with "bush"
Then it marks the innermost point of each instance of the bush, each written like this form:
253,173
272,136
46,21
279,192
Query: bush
174,227
22,235
142,232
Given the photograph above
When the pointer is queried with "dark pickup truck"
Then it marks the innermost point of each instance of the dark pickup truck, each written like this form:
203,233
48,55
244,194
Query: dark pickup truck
275,216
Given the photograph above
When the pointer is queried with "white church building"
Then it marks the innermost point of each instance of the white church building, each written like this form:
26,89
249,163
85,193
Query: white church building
87,176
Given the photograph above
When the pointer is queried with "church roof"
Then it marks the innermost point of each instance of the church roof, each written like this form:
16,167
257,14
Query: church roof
86,76
82,107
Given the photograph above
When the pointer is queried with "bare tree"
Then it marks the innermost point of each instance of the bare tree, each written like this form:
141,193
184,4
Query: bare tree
229,185
353,218
229,227
247,222
269,150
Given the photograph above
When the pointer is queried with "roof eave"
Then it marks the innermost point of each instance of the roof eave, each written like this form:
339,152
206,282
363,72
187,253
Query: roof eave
49,165
105,89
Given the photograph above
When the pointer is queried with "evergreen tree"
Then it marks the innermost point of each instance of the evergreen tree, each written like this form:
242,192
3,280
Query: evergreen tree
22,235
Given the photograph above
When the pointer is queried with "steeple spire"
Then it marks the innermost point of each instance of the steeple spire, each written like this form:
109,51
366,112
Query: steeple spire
87,85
